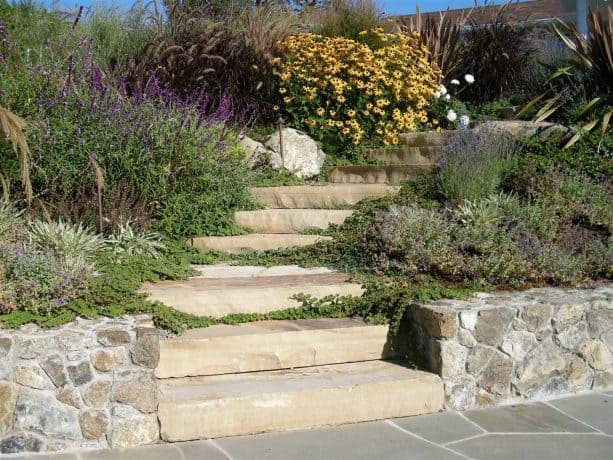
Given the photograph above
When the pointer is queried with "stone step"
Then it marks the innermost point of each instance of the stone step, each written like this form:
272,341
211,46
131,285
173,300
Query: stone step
254,242
426,138
290,220
240,404
249,271
271,345
319,196
219,297
371,174
406,155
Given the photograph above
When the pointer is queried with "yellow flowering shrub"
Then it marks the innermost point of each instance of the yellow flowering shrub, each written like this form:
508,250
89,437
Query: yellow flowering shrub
337,88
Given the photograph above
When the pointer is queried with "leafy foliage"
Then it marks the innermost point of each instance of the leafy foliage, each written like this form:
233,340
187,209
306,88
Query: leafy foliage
442,38
497,50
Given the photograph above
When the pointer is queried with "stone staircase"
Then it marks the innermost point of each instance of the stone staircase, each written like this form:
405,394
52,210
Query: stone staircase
417,155
287,374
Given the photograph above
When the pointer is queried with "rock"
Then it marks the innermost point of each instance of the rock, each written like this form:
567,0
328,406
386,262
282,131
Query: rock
496,375
300,153
578,374
603,380
106,359
70,396
6,345
136,388
94,423
30,374
74,341
80,373
36,411
113,337
596,355
76,355
147,348
573,337
478,358
520,128
567,315
8,398
460,393
451,358
600,325
33,347
17,443
54,367
518,343
439,321
539,365
255,152
125,411
97,394
492,324
466,338
555,386
468,319
537,317
135,431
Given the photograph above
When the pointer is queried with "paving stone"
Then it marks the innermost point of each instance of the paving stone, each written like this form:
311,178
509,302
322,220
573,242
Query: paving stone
199,450
159,452
541,447
439,428
365,441
526,418
592,408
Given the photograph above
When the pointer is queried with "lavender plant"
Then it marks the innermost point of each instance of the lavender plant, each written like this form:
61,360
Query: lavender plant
475,163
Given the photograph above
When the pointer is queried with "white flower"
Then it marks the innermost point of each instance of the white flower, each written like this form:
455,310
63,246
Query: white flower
469,78
455,82
447,97
437,94
451,115
443,90
464,120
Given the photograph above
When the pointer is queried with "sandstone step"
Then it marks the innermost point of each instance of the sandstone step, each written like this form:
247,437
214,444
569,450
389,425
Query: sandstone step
371,174
218,297
290,220
254,242
406,155
426,138
270,345
249,271
240,404
319,196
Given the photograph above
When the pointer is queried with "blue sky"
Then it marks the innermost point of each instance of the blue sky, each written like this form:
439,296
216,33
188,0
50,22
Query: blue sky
389,6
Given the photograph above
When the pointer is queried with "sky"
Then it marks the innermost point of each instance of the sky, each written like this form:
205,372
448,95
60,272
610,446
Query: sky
389,6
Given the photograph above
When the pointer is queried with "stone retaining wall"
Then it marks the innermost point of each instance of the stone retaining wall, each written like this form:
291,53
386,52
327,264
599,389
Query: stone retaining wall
502,347
86,384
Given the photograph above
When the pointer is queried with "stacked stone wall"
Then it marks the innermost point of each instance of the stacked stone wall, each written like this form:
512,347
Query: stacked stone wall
88,384
504,347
